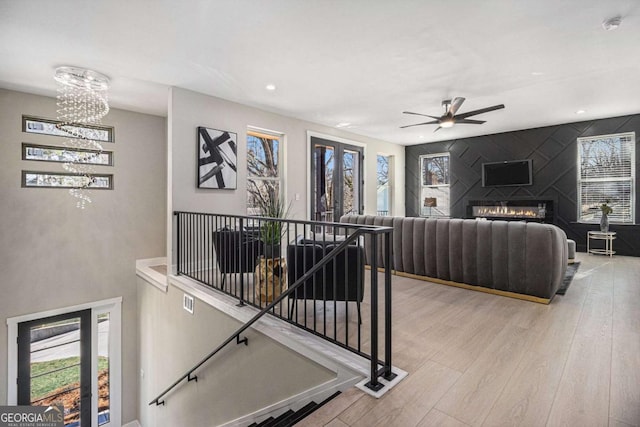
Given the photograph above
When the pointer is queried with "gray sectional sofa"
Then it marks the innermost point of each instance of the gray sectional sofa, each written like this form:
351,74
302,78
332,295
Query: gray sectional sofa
517,259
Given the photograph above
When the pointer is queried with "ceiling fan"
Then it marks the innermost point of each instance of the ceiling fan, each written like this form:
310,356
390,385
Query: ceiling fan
449,118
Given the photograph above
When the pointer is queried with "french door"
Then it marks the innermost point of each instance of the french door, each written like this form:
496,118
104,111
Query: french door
336,180
54,364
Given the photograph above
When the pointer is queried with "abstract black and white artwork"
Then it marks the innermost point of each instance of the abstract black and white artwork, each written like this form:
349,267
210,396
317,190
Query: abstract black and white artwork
217,158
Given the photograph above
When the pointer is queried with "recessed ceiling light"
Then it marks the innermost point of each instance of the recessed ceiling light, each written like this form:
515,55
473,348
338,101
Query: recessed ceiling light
537,73
581,111
270,87
343,125
612,23
420,136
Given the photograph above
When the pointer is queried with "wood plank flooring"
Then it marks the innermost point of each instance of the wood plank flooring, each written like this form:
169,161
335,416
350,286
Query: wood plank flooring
476,359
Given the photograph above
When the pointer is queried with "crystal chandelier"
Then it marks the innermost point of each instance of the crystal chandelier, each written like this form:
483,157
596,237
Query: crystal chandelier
82,103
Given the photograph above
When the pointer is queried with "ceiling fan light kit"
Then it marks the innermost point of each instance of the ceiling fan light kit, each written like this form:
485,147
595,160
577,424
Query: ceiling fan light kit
450,116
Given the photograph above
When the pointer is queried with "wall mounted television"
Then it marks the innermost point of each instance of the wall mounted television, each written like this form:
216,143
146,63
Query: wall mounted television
508,173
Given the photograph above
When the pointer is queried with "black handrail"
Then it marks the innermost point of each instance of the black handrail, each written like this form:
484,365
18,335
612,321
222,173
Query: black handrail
236,335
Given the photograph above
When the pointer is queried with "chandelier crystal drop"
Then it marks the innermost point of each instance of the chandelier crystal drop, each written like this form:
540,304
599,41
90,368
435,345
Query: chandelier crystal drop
82,103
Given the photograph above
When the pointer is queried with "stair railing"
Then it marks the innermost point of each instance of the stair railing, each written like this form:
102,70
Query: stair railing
372,233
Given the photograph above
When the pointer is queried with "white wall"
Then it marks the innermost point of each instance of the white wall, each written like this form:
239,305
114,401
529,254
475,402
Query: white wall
54,255
236,382
188,110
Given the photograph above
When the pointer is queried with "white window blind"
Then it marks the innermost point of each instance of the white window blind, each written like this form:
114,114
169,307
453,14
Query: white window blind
606,173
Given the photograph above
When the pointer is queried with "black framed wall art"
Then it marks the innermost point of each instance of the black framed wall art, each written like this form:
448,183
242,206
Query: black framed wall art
217,159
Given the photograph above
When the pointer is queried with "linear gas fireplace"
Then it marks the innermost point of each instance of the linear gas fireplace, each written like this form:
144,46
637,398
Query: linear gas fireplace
512,210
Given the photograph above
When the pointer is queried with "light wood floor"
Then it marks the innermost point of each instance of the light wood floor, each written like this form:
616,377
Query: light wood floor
478,359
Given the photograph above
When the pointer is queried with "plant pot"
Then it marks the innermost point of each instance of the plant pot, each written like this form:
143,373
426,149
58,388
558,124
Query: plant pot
604,223
272,250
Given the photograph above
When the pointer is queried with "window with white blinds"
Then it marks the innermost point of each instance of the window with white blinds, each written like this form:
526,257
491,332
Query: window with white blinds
606,174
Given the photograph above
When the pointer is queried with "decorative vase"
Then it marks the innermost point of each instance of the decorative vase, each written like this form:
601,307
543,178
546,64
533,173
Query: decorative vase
270,278
604,223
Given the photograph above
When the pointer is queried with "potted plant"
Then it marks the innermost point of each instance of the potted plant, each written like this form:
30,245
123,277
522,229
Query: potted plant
271,270
604,221
271,232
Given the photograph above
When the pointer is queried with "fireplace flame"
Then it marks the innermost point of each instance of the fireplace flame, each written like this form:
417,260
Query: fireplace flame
509,211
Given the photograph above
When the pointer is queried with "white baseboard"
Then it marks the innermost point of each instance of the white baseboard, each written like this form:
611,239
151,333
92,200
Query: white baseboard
134,423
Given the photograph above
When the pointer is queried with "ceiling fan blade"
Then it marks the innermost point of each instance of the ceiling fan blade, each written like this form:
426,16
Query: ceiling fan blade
480,111
471,122
420,124
455,105
418,114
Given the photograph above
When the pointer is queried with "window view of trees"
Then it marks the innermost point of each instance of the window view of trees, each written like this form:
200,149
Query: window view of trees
434,171
263,171
349,190
337,181
324,197
606,174
383,186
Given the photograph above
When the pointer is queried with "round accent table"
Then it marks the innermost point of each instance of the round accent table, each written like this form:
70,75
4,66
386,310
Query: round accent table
607,236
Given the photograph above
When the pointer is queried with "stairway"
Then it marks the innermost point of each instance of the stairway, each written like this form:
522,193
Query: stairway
290,417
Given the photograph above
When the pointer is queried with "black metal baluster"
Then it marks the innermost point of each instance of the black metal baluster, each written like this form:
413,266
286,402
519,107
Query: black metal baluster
178,245
242,261
373,383
346,292
388,374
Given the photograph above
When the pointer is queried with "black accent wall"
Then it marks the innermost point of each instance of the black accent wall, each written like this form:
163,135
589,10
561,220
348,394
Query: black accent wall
554,153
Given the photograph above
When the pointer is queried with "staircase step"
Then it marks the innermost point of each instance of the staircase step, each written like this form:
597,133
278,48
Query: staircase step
309,408
289,418
281,420
263,423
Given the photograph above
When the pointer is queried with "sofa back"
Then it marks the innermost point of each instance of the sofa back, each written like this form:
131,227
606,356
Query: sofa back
525,258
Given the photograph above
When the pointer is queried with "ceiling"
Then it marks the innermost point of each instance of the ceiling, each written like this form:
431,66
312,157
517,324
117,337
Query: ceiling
360,62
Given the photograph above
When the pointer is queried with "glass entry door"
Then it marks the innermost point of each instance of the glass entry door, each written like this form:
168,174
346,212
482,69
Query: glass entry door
54,365
337,180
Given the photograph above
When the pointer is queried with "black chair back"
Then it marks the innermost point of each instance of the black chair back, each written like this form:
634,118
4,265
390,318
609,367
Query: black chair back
236,255
342,279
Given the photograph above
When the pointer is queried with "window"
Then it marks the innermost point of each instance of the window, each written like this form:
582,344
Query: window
337,186
264,177
54,355
434,185
606,174
384,185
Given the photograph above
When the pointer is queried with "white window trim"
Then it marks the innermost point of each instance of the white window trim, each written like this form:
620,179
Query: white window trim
632,200
112,306
421,186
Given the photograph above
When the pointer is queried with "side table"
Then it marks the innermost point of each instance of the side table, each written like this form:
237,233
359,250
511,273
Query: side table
607,236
